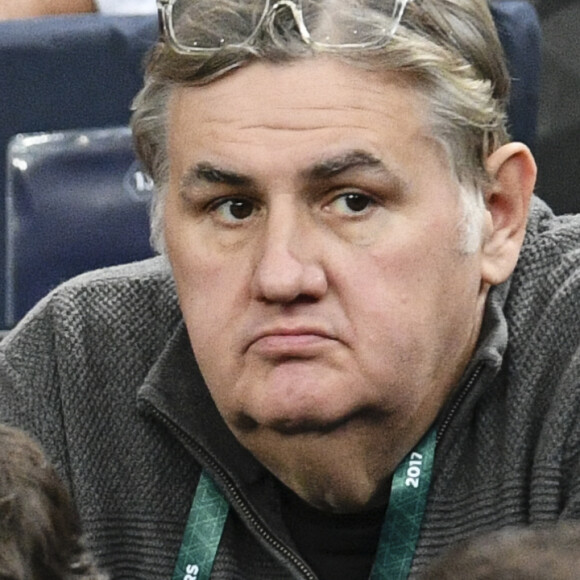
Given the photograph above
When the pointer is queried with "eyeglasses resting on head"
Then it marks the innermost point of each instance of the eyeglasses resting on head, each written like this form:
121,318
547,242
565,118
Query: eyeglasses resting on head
197,26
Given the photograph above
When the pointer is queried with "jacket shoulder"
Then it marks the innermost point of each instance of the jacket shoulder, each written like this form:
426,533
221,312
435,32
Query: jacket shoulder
546,282
100,310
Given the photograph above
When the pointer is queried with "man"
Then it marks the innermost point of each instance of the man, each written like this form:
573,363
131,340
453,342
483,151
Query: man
359,350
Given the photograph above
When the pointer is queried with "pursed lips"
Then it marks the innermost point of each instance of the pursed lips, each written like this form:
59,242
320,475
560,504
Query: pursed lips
297,341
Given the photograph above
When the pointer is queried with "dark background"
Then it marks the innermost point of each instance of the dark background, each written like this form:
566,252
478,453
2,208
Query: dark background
557,146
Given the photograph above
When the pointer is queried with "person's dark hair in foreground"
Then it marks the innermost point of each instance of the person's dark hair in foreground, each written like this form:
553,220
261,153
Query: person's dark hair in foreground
549,552
40,531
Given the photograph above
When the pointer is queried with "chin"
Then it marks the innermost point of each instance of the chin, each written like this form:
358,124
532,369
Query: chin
344,482
342,470
330,495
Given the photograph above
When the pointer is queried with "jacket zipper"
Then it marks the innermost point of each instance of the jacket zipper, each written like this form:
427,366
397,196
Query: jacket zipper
250,517
458,402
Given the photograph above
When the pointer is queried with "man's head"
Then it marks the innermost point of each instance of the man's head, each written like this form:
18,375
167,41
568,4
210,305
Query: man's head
448,50
335,216
40,530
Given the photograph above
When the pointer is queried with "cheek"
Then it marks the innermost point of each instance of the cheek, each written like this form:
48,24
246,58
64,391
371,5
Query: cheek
207,302
207,293
203,276
409,306
212,302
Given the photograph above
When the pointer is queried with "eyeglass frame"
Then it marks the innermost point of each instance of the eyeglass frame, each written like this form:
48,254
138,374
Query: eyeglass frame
167,31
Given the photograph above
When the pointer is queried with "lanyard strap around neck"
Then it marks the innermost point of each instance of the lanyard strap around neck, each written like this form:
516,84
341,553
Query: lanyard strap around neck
399,534
207,519
404,516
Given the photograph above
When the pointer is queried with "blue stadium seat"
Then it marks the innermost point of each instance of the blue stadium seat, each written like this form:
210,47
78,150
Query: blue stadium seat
67,72
76,201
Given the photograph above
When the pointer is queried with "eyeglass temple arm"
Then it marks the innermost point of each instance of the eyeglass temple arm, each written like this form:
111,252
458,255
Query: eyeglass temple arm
398,11
162,7
296,14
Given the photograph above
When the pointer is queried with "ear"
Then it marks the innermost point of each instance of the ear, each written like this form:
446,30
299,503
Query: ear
513,172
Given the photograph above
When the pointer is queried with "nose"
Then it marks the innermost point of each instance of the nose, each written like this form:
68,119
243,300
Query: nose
289,267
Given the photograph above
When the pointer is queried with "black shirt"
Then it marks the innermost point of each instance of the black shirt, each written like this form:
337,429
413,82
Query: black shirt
334,545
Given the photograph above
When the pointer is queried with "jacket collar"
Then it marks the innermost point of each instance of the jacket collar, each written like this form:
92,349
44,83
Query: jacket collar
482,369
175,393
493,340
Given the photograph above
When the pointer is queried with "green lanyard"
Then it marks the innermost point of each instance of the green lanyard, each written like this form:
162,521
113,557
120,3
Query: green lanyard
407,503
207,519
399,535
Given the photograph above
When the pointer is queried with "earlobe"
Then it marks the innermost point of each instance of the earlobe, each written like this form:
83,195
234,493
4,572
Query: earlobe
513,172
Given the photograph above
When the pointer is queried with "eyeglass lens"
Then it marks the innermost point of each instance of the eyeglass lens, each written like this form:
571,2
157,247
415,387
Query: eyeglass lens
211,24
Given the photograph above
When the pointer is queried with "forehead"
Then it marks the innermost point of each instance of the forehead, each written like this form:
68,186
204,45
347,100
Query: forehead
296,108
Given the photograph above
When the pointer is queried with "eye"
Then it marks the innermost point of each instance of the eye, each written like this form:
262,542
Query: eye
352,203
233,210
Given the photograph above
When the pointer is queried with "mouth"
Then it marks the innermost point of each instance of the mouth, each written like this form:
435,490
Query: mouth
280,343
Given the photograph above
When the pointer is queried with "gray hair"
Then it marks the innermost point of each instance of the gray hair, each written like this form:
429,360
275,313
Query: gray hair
447,49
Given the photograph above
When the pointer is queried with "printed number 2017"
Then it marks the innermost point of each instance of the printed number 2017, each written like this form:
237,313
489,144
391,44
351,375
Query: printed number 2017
414,470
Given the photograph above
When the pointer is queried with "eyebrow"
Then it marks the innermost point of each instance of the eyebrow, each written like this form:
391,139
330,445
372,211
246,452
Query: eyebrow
344,162
356,159
208,173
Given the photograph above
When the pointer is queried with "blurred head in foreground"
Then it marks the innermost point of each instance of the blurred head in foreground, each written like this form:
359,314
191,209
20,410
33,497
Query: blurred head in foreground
40,531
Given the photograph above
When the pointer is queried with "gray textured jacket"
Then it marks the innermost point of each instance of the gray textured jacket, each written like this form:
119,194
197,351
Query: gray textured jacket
102,373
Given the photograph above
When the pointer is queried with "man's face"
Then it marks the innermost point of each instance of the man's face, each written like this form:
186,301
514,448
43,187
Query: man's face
314,230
